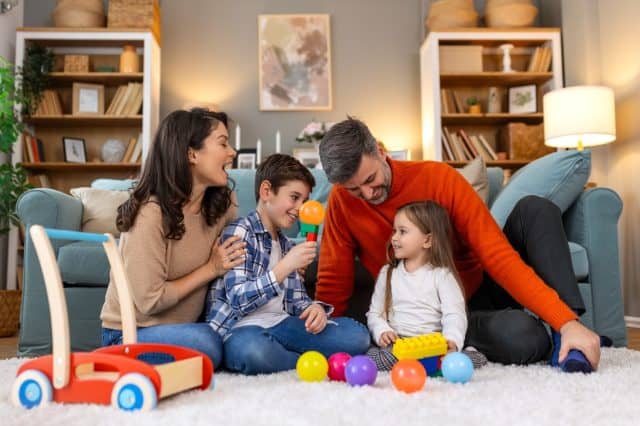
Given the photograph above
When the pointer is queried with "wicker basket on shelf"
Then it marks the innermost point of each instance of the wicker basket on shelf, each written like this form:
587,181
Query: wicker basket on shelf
9,312
134,14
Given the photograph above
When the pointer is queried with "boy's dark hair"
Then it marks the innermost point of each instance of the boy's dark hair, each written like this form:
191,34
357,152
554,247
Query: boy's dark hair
279,169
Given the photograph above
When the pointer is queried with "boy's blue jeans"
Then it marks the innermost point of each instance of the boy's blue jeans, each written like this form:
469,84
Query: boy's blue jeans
257,350
198,336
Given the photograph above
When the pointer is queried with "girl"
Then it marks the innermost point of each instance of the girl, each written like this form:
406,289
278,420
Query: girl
418,291
170,234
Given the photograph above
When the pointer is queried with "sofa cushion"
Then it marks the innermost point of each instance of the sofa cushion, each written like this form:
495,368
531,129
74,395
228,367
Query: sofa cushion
114,184
100,209
579,260
476,174
560,177
83,263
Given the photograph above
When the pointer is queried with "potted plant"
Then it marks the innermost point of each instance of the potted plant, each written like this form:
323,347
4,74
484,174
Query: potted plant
474,105
13,182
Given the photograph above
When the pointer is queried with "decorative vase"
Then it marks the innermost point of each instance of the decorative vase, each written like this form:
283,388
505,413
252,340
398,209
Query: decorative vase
129,61
112,151
475,109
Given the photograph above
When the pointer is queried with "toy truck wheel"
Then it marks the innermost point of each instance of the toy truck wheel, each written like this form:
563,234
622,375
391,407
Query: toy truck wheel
30,389
134,392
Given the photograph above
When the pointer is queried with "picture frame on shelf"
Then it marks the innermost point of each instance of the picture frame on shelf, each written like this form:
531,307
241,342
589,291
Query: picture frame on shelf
88,99
294,62
309,157
522,99
399,154
246,159
74,149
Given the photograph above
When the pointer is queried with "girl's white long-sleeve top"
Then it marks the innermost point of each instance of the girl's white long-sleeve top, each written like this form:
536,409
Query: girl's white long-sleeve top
424,301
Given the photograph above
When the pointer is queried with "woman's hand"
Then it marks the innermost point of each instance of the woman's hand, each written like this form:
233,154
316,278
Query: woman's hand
387,338
451,346
315,318
227,255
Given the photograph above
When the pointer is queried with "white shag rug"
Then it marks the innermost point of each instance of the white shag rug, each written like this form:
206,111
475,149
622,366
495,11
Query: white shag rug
496,395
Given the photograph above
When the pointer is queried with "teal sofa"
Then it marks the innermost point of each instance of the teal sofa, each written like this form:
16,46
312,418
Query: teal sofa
591,224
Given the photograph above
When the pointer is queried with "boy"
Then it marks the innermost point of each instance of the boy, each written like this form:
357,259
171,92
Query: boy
261,308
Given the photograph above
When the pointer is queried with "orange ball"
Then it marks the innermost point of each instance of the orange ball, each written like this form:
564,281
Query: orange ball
312,212
408,375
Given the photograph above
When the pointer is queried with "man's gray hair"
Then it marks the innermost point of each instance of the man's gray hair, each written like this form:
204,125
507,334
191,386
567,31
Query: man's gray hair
342,148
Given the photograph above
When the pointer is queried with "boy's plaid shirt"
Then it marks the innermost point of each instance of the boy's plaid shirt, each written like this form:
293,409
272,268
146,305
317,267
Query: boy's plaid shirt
250,285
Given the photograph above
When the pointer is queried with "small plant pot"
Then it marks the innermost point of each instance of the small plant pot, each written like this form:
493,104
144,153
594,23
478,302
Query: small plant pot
475,109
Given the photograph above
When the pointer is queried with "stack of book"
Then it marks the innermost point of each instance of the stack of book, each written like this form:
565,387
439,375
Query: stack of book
540,60
451,102
459,146
127,100
49,104
133,154
33,149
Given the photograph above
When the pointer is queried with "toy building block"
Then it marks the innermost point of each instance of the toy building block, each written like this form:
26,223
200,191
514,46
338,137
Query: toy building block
418,347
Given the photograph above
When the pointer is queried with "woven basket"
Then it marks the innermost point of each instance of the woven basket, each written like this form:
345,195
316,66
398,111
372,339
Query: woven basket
9,312
134,14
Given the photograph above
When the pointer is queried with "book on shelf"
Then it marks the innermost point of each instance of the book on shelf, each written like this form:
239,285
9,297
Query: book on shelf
137,150
49,104
540,60
43,181
461,146
127,100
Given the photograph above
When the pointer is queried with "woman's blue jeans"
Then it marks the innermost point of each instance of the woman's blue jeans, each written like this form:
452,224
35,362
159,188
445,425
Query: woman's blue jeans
199,336
257,350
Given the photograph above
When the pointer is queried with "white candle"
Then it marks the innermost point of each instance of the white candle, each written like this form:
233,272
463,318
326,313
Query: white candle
258,151
278,142
237,137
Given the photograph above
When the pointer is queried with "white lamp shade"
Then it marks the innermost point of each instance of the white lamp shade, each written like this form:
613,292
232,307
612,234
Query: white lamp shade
577,114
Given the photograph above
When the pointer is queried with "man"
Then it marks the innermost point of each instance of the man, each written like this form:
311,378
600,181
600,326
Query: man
526,266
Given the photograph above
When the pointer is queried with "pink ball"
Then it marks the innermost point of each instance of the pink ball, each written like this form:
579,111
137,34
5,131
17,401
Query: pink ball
337,364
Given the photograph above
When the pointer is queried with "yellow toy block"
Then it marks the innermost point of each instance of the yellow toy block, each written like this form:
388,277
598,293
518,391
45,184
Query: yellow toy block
418,347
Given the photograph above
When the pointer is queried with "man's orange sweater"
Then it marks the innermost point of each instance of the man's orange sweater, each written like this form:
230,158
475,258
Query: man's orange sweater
354,227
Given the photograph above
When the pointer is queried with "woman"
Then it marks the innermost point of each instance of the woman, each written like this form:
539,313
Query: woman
170,234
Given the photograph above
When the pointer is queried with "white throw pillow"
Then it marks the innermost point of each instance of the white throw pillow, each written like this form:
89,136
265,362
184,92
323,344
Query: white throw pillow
476,174
100,209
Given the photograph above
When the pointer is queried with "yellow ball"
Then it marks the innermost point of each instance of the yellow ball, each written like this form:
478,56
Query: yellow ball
312,366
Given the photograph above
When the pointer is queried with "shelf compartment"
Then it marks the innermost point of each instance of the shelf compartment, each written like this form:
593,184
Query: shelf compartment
75,167
495,78
69,120
106,78
488,119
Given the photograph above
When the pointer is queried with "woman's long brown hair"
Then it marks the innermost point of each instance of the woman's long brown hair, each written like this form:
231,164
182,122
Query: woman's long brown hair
430,218
167,173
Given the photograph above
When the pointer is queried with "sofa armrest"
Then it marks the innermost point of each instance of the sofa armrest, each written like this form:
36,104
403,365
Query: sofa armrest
592,221
50,208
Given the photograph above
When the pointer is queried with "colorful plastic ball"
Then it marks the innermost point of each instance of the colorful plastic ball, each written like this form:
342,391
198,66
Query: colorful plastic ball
360,371
408,375
312,366
312,212
457,367
337,365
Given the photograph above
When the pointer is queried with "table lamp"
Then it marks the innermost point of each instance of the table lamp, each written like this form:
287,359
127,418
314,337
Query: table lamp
579,116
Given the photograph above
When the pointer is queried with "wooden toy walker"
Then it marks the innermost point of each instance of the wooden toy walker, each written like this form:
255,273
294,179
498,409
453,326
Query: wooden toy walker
131,376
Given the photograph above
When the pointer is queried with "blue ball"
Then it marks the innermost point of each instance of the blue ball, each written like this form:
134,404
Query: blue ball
457,367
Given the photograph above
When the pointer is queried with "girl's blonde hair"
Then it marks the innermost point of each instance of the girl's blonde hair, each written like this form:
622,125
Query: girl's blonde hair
430,218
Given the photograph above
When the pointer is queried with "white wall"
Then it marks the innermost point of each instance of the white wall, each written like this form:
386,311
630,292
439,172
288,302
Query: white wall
8,24
600,45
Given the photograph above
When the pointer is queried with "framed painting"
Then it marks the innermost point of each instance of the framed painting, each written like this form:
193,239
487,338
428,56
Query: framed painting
294,61
246,159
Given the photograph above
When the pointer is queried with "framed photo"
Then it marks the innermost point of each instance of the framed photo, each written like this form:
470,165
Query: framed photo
246,159
75,150
294,62
522,99
88,99
309,157
400,154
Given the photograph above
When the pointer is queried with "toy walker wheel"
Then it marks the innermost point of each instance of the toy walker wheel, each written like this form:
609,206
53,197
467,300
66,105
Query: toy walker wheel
134,392
30,389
